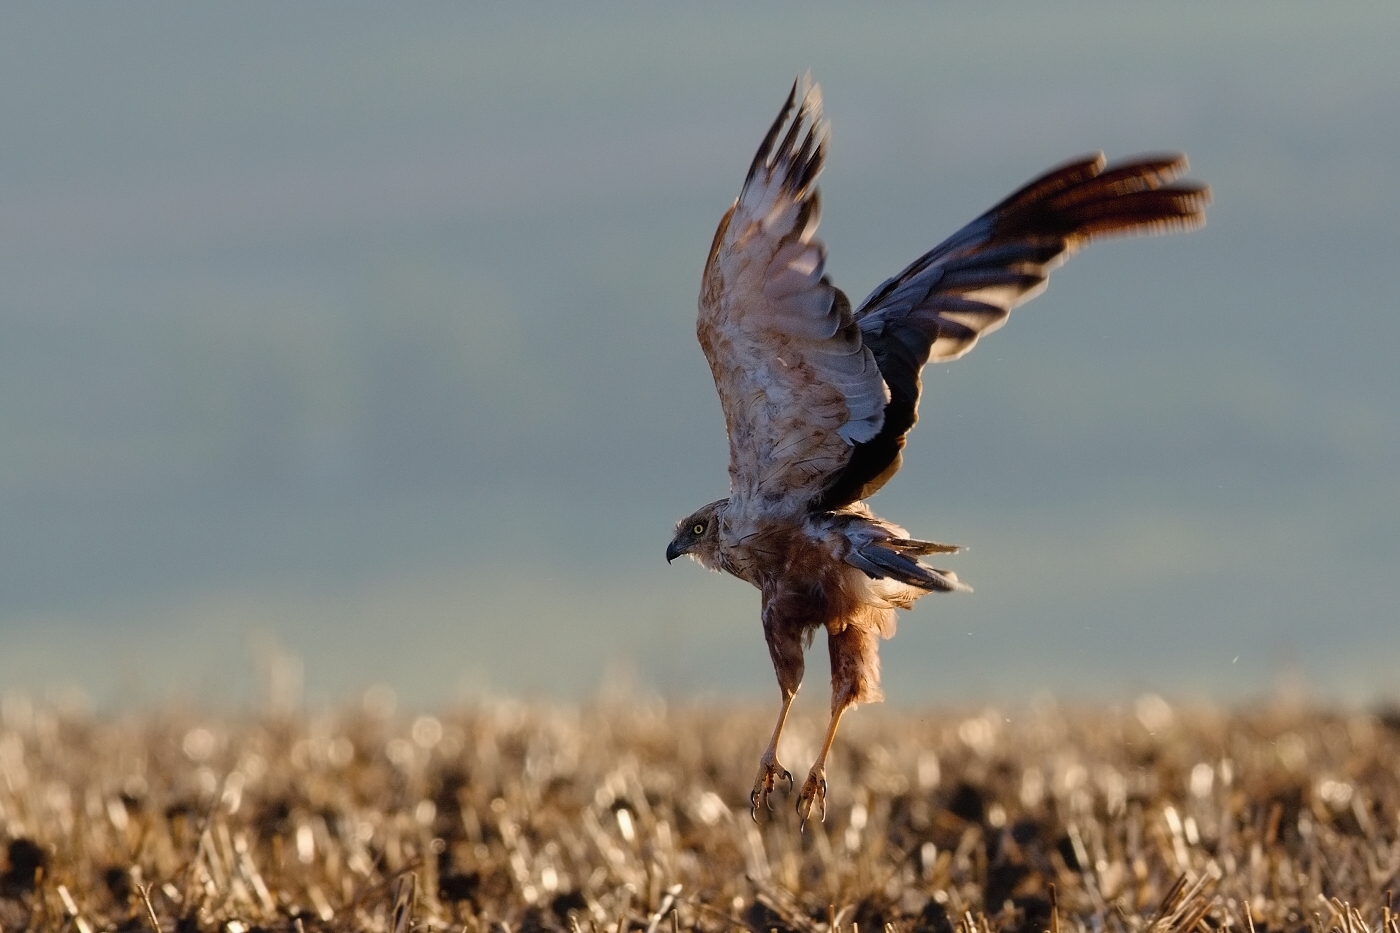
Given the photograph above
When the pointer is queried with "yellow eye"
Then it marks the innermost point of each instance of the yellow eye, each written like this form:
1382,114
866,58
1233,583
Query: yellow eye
699,529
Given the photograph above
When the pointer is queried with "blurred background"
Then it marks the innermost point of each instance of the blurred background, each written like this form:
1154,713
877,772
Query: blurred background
349,344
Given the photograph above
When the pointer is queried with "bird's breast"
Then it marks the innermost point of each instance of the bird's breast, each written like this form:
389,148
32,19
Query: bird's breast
759,549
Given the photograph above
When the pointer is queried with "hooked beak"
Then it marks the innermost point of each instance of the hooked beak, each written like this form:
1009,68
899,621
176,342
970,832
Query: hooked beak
674,550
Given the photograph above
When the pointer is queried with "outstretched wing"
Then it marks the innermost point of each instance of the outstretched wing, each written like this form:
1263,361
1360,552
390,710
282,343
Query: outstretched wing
965,287
797,385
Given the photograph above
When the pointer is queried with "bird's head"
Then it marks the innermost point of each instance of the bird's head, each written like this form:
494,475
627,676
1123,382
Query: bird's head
698,536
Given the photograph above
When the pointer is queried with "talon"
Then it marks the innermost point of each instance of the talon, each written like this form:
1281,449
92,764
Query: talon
769,773
788,774
813,792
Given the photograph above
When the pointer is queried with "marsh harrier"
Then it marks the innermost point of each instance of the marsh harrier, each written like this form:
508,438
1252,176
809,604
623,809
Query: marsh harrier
818,397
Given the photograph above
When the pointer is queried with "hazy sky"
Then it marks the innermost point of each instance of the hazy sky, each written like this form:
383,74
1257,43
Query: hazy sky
367,332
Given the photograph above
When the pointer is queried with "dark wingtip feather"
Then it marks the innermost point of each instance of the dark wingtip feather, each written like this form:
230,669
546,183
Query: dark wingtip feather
791,155
1139,173
765,148
1085,200
805,152
1059,178
1161,210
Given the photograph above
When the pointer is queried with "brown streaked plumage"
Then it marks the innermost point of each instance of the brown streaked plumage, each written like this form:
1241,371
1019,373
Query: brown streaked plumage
818,398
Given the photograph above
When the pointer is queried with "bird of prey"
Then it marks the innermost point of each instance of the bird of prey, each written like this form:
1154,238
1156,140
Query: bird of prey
818,398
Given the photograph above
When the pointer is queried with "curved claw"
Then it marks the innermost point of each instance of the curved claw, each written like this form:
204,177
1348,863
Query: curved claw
769,773
813,793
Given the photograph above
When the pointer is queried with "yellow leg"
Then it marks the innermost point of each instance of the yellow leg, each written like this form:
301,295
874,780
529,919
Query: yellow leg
769,771
814,788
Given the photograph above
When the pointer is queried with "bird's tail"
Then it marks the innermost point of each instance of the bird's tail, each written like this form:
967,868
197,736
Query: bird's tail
920,548
898,559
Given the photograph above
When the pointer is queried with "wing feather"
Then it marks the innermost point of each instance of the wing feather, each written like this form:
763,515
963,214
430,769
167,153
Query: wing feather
938,307
797,384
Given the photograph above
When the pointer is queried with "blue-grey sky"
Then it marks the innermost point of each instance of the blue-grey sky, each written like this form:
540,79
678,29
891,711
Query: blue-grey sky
367,332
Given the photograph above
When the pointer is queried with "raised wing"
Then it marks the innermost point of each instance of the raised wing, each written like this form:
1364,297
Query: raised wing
965,287
797,385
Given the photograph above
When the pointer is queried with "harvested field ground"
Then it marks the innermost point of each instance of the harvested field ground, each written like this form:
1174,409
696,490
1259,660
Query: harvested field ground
630,816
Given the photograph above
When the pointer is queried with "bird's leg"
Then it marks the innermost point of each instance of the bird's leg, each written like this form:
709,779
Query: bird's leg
783,629
814,788
769,770
855,678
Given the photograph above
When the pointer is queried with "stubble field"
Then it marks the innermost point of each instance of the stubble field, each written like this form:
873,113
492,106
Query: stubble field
630,816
